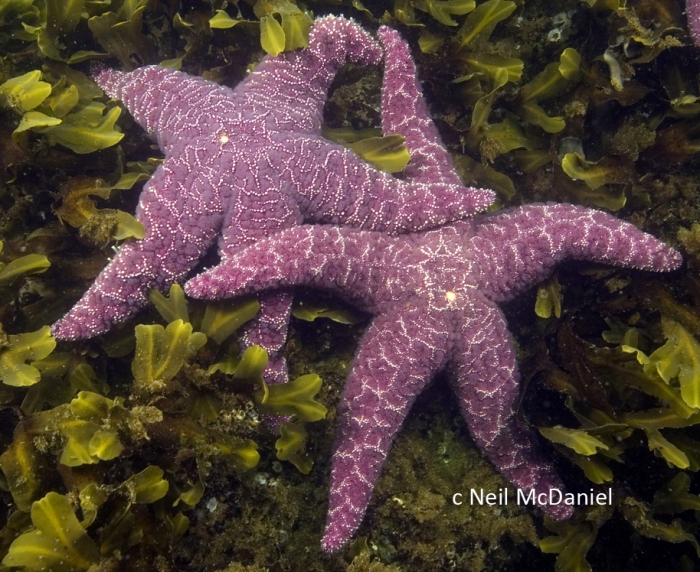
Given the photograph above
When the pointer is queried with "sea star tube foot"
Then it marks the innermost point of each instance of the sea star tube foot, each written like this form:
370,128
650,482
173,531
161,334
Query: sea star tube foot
434,296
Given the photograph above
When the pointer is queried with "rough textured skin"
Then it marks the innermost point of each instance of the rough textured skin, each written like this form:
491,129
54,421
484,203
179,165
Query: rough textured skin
434,297
242,164
693,12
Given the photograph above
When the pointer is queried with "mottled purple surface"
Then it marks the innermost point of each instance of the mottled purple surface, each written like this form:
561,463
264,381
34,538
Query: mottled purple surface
434,297
693,12
242,164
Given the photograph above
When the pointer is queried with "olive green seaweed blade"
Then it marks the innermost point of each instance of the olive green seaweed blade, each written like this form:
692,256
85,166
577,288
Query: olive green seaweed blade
58,543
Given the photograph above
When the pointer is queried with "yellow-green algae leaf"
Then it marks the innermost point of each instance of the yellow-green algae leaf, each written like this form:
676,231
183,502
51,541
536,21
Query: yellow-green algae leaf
92,497
105,445
430,43
292,34
243,453
679,356
127,226
35,120
26,91
660,418
292,398
386,153
63,99
674,497
161,352
309,312
179,525
664,448
291,446
192,496
549,300
595,470
555,78
22,466
480,24
173,307
23,348
576,439
76,450
221,319
86,130
58,543
594,174
252,363
121,532
28,264
222,21
443,10
271,35
572,544
491,64
148,486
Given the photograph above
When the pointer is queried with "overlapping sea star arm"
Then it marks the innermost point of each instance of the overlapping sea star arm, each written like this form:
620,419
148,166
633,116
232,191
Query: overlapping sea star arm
404,112
350,192
294,85
170,202
485,378
397,357
520,247
342,259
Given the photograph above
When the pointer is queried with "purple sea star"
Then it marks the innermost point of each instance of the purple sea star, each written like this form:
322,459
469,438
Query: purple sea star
434,297
693,12
241,164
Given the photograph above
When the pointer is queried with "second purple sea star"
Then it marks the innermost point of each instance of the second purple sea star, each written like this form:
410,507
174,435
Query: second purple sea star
241,164
434,297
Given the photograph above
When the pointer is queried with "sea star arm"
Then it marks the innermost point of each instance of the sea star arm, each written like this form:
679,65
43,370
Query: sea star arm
485,378
520,247
348,191
342,259
693,11
170,201
394,362
295,84
404,112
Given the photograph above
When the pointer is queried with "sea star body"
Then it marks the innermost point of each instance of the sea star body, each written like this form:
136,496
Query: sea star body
434,297
241,164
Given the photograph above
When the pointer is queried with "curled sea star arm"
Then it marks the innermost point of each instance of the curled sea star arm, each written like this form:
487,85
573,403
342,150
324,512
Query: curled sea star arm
485,379
393,364
404,112
520,247
295,84
171,248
